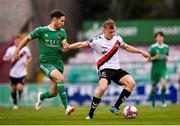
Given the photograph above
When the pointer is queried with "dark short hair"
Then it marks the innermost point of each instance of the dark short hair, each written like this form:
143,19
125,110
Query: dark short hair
159,33
109,24
56,13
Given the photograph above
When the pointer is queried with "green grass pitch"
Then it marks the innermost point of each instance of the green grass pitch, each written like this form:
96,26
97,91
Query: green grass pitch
56,116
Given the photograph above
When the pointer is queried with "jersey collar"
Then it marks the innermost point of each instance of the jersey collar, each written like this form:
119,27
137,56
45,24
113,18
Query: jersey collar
105,38
51,28
160,46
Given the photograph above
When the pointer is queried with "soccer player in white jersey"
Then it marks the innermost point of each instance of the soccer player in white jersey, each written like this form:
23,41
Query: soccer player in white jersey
106,48
18,69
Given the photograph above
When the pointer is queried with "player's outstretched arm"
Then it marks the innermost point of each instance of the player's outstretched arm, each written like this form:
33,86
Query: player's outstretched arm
136,50
23,43
78,45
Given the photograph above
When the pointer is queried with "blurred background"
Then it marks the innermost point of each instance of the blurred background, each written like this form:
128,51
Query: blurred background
136,21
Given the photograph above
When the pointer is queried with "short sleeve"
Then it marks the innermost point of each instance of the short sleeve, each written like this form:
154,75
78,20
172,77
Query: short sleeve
119,38
152,51
64,37
35,33
8,53
91,42
167,51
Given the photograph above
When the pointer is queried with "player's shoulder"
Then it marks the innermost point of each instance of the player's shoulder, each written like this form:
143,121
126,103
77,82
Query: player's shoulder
62,29
166,46
41,29
11,49
153,45
117,36
95,39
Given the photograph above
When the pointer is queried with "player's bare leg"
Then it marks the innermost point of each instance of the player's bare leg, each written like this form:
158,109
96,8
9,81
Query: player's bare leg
129,85
103,84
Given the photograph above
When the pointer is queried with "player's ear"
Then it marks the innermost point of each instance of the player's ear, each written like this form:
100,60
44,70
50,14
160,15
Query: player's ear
104,29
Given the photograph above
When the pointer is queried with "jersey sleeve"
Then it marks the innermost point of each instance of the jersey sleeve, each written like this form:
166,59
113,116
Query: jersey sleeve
119,38
152,51
35,33
167,51
64,37
8,53
91,42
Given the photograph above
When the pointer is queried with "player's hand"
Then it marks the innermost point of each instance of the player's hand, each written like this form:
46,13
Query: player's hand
66,47
146,55
16,57
157,56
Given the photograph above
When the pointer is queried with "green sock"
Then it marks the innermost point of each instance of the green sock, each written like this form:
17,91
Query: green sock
163,93
63,94
47,94
153,96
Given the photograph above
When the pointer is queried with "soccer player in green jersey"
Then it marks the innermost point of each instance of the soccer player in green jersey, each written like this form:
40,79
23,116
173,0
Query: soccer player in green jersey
52,43
159,56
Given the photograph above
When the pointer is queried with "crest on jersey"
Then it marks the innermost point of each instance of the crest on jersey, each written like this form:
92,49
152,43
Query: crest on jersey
103,74
59,35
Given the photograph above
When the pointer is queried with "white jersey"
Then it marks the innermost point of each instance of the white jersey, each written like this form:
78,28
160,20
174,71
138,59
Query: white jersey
106,51
18,68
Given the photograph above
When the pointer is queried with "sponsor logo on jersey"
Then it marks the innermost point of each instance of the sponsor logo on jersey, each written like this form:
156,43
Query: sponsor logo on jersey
46,41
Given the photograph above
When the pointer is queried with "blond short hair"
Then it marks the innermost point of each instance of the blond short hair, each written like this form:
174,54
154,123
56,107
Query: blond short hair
109,24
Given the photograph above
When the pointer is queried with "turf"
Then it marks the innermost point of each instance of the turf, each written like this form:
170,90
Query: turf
56,116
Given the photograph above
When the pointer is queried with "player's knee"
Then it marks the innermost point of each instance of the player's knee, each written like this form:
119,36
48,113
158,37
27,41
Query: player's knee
60,79
130,83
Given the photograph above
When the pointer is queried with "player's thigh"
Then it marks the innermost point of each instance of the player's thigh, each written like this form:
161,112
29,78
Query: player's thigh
127,81
52,72
103,83
57,76
121,77
107,74
13,83
21,83
101,88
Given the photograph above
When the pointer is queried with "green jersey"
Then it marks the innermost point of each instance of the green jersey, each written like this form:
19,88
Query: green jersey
50,43
159,68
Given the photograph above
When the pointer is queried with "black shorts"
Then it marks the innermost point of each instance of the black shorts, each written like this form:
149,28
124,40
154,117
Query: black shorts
15,81
112,75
